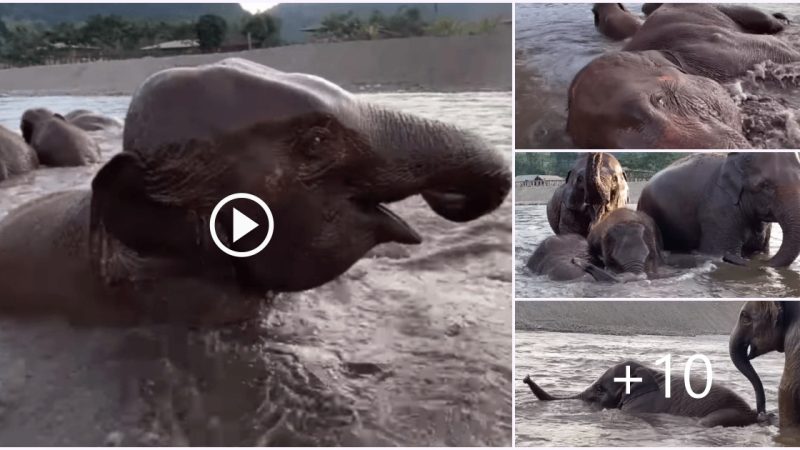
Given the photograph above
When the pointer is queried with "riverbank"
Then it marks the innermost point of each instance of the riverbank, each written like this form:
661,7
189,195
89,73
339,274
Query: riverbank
627,318
540,195
436,64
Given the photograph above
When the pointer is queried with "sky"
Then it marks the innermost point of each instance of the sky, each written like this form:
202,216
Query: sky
255,7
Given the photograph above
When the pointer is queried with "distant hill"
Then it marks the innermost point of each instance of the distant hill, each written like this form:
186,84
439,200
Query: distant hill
296,16
53,13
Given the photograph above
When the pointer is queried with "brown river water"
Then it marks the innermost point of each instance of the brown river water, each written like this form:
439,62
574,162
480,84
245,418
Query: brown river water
410,347
567,363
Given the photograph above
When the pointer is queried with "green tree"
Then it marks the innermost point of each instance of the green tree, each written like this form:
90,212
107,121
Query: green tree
263,29
210,31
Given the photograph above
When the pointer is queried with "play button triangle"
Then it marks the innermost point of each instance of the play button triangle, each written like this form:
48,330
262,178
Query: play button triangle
241,225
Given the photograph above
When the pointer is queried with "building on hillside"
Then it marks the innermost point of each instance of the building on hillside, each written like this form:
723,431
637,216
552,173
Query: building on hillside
183,44
538,180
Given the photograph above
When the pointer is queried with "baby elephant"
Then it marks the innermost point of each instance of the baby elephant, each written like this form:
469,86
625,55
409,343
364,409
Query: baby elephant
720,407
566,258
626,241
56,141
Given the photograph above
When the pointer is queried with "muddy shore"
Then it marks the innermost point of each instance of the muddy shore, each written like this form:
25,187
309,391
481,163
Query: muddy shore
643,317
440,64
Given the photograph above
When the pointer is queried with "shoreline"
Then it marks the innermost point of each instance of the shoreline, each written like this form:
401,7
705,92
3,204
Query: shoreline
477,63
540,195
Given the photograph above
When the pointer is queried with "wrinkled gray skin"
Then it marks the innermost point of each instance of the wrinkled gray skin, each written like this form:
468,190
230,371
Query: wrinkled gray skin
90,121
721,407
595,186
626,241
764,327
566,258
16,157
324,161
56,141
663,90
724,205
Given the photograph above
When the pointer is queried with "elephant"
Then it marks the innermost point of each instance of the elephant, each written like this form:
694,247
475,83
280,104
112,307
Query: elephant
90,121
137,245
626,241
595,186
720,407
724,205
763,327
16,156
663,90
566,258
614,21
57,142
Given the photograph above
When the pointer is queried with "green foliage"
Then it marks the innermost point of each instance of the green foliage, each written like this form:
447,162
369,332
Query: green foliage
210,31
559,163
264,30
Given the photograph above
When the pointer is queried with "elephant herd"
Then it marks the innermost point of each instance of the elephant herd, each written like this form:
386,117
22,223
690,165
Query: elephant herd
702,205
52,139
665,87
762,327
137,245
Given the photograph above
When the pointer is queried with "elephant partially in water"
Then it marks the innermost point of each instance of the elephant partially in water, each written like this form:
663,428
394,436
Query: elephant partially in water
16,156
57,141
720,406
138,243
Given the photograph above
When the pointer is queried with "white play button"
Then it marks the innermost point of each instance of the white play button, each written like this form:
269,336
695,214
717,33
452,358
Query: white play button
241,225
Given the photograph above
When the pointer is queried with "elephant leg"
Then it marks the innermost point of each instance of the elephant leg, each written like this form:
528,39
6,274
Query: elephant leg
752,20
725,236
3,171
758,241
729,417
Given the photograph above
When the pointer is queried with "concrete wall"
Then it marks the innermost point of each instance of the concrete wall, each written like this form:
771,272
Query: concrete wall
456,63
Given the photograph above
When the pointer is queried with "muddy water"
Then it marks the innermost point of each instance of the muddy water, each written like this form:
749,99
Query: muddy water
554,41
567,363
411,346
710,279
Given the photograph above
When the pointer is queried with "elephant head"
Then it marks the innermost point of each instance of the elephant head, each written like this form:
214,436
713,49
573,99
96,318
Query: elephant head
605,393
644,100
766,187
759,330
606,185
324,161
33,118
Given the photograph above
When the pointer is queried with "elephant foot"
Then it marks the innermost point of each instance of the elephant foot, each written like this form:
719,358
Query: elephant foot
734,259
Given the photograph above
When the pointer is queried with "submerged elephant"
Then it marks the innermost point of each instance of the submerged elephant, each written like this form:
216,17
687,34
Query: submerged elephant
764,327
595,186
91,121
56,141
614,21
626,241
566,258
16,157
663,90
324,161
724,205
720,407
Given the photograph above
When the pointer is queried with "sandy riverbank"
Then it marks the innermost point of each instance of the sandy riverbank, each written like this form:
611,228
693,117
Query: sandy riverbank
441,64
540,195
643,317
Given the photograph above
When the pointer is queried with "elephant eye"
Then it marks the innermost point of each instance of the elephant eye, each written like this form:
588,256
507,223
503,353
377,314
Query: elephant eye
745,318
598,388
312,141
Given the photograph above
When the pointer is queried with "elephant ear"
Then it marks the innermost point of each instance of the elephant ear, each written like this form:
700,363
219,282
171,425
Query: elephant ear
122,209
731,179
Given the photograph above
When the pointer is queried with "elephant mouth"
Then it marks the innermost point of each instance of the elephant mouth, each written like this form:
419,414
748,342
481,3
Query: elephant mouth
390,226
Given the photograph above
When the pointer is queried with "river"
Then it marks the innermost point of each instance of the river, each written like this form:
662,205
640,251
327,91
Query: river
410,347
554,41
567,363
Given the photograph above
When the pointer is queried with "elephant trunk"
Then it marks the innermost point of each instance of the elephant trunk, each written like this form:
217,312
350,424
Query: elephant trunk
460,176
542,395
596,194
789,220
738,353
